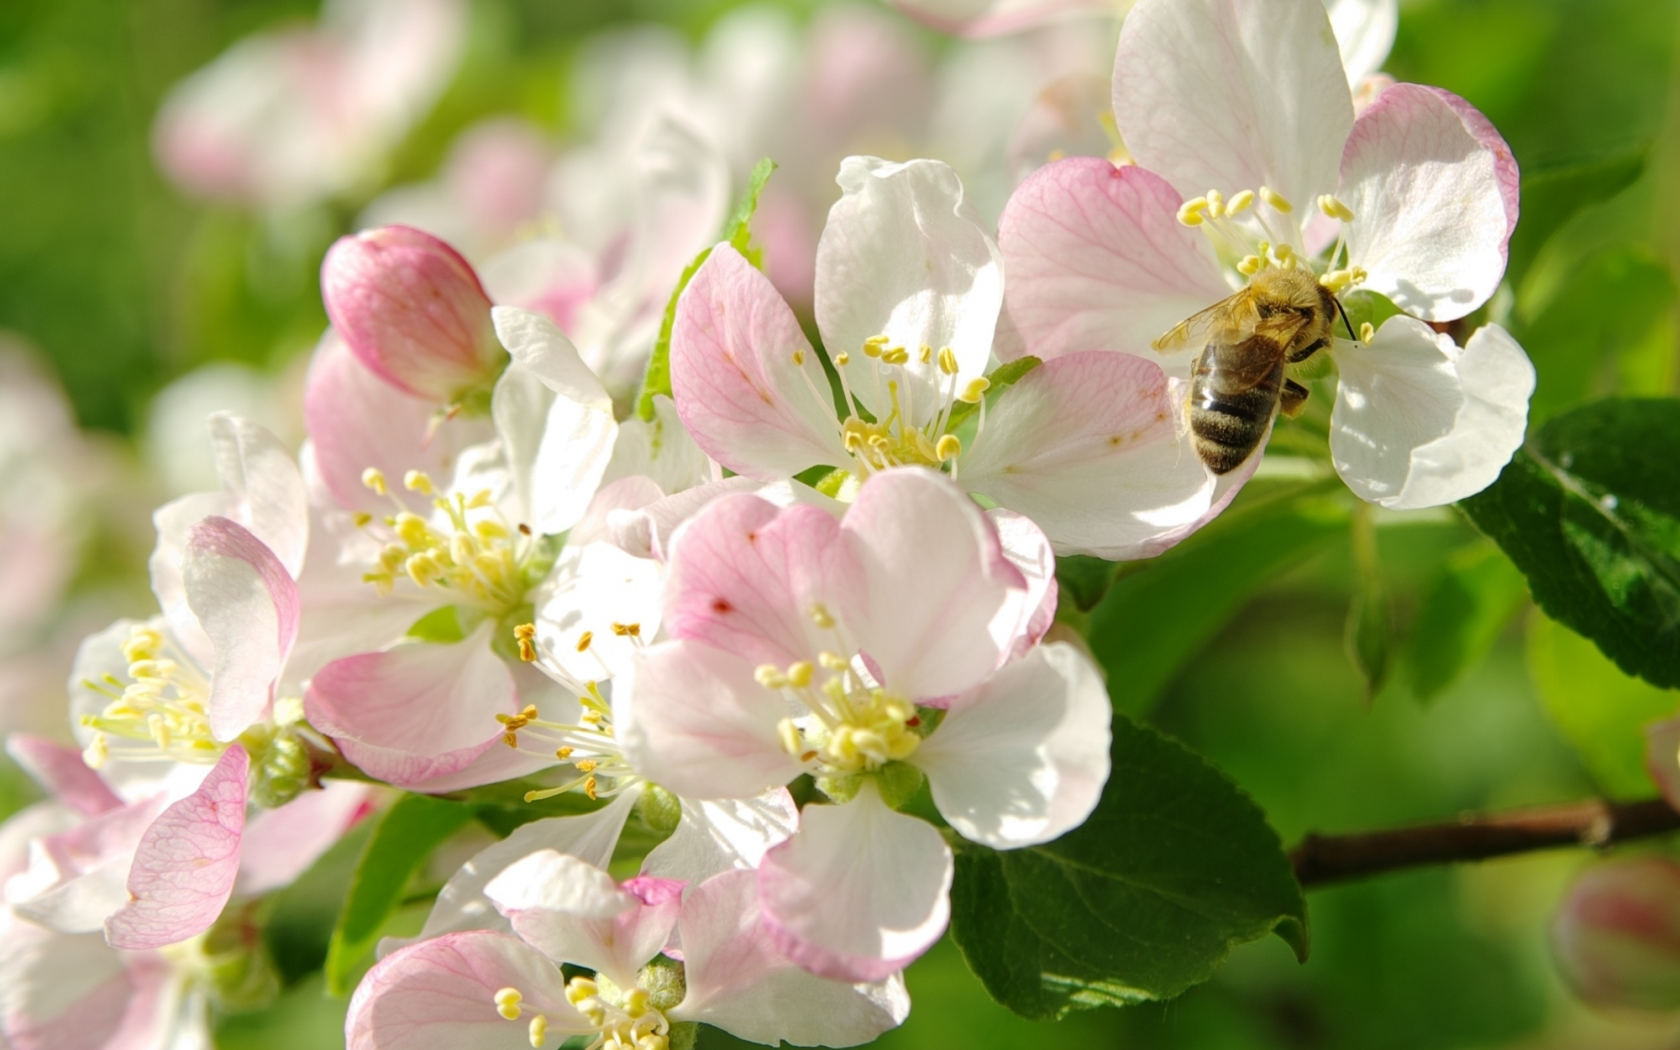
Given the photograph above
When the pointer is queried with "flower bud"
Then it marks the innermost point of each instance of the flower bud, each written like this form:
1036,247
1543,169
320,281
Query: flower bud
412,310
1617,936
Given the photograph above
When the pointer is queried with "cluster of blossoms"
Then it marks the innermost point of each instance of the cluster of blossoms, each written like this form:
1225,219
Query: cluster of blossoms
480,569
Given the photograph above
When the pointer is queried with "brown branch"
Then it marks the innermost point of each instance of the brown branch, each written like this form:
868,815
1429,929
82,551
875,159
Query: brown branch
1322,859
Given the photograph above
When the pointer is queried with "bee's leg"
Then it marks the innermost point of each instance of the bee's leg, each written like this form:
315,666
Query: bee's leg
1292,398
1308,350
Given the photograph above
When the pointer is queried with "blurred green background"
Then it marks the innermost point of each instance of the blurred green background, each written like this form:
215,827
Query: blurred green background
123,284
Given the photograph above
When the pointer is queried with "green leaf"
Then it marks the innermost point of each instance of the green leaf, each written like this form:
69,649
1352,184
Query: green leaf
1589,511
404,838
737,231
1553,195
1174,869
441,625
1461,616
1600,711
1157,617
1002,378
1084,580
1369,633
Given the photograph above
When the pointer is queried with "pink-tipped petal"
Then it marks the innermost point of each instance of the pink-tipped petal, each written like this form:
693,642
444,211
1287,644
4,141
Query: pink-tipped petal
186,863
695,717
418,713
723,835
1233,95
281,844
1023,759
737,979
1097,260
78,877
61,771
1090,448
1616,937
932,581
573,912
249,609
441,995
744,575
1030,612
1433,190
1662,758
859,892
746,382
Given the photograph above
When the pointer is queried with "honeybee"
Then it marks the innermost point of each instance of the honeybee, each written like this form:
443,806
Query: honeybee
1284,316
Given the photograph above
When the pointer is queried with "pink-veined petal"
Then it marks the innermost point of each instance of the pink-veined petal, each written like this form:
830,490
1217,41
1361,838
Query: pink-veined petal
61,771
1097,260
1233,95
441,995
904,256
695,717
185,866
281,844
248,606
975,19
723,835
1089,447
932,582
746,382
573,912
1433,190
859,892
77,878
1023,759
744,575
737,979
1030,612
1420,422
417,713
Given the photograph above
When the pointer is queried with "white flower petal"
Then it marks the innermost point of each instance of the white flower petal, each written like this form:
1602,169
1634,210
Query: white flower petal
1420,422
1364,33
723,835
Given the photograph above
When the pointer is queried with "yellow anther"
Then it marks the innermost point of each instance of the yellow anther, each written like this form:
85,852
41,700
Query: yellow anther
1285,256
412,529
821,617
418,481
926,354
423,569
580,988
481,498
653,1041
896,356
584,639
787,733
1367,332
143,643
799,674
1334,208
770,676
526,634
1215,204
1251,265
949,448
538,1031
374,479
842,359
974,391
947,361
799,357
832,661
562,753
636,1002
586,765
871,350
1240,202
592,789
1190,213
507,1003
489,529
362,518
630,630
1276,200
877,341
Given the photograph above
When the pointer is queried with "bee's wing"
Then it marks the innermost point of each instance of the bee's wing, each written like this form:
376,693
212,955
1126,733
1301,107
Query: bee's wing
1232,319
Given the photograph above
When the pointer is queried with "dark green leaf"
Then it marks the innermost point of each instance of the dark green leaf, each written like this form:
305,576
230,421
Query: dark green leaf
1174,869
1589,511
1084,580
1157,617
1551,196
1461,616
1600,711
737,231
1369,633
404,838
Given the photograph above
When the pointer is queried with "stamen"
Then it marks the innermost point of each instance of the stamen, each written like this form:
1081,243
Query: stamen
630,630
1334,208
1251,265
375,480
926,354
539,1031
975,390
1216,204
507,1003
799,674
799,357
949,448
362,518
584,639
1367,332
821,617
842,359
1191,212
525,634
770,677
947,361
1277,200
418,481
1240,202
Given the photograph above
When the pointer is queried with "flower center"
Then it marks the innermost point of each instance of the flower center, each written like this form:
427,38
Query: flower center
162,704
589,744
1241,230
624,1021
469,551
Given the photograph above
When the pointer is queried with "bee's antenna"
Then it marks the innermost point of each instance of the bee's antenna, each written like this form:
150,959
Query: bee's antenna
1343,311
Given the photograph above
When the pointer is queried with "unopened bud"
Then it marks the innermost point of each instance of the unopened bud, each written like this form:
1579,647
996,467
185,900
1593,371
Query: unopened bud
1617,936
413,311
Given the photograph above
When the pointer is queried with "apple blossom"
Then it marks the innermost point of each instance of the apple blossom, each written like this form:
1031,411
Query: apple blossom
1617,935
867,651
1086,447
1424,200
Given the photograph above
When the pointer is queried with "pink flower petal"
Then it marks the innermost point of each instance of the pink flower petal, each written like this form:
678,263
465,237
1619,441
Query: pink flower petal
281,844
859,892
695,717
61,771
77,878
440,995
1662,758
62,991
1433,189
737,979
416,713
185,866
1234,95
1097,260
248,606
735,379
1616,937
1030,612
